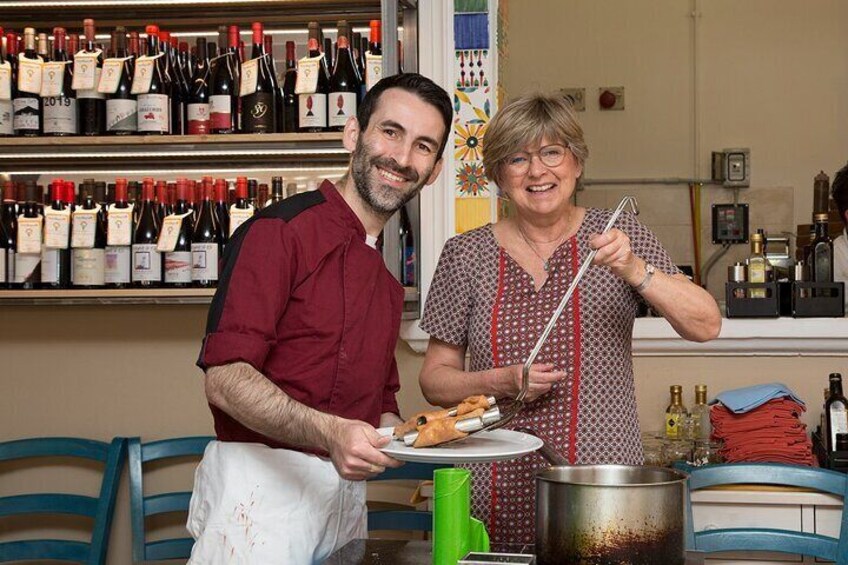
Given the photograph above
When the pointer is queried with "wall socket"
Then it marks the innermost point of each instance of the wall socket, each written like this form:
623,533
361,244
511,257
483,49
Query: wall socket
576,96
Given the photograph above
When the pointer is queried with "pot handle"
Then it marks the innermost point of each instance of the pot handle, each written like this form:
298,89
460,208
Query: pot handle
546,451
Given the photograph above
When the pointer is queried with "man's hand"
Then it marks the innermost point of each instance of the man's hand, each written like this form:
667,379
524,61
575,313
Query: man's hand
354,450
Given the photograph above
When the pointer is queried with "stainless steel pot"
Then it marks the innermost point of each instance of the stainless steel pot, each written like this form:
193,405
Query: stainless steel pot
610,515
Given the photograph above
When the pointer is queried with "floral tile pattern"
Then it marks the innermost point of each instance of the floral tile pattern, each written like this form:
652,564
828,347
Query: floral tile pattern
473,65
468,141
471,180
472,105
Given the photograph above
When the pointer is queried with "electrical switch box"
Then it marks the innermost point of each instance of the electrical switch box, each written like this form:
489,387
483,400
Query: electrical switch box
732,167
730,223
576,97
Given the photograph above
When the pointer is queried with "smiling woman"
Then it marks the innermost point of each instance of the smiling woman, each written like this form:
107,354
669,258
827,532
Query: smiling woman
496,286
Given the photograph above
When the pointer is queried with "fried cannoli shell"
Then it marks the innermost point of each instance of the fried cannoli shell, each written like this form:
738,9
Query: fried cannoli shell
441,431
471,404
412,425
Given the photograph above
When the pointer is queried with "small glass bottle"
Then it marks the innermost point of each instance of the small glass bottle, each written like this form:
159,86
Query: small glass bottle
674,413
757,266
700,414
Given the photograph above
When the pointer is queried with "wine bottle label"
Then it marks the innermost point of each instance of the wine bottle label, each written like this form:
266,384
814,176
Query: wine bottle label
52,78
27,267
221,111
145,66
312,110
204,261
178,267
308,69
238,216
119,225
198,119
92,92
5,81
110,76
83,228
169,235
258,113
342,107
57,228
29,234
153,113
60,115
88,267
249,75
29,74
146,262
25,114
49,265
373,69
6,122
117,264
86,73
121,115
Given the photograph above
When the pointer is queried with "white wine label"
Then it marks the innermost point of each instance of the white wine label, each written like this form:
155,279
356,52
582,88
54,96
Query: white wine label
57,228
88,267
29,74
238,216
5,80
25,114
6,121
170,232
119,225
204,261
307,74
178,267
49,265
85,70
60,115
117,264
110,76
198,119
153,113
83,228
373,69
92,92
220,111
121,115
29,234
249,75
146,262
143,76
342,106
312,110
26,267
52,78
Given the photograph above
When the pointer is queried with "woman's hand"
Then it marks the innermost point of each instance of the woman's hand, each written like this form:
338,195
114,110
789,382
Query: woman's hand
542,378
614,252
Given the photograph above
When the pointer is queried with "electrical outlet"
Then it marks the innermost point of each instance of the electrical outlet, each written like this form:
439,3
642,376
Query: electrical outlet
576,96
611,98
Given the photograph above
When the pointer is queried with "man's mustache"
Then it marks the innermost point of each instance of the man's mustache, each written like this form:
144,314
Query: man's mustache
393,166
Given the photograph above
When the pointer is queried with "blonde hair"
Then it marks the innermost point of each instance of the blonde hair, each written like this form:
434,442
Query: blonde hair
526,120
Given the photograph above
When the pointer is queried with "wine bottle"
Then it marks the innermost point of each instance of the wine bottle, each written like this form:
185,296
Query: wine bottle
28,264
146,260
223,97
43,50
836,411
60,109
119,239
278,92
374,56
252,186
241,211
26,103
8,235
154,101
276,191
407,250
205,242
178,262
56,253
329,52
222,212
6,112
92,104
121,105
179,88
344,84
259,102
88,241
821,251
289,98
197,111
312,106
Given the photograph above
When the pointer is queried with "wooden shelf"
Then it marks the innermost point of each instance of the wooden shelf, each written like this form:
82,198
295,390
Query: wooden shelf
304,140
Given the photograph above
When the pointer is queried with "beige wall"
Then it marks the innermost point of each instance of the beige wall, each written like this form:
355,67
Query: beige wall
764,74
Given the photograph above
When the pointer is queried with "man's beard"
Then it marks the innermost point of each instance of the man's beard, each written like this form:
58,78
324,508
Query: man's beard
383,199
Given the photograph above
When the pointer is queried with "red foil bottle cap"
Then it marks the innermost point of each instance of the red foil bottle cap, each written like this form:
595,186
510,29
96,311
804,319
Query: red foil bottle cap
375,31
257,32
152,30
241,187
233,36
120,190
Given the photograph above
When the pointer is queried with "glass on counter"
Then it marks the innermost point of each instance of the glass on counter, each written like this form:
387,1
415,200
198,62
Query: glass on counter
706,452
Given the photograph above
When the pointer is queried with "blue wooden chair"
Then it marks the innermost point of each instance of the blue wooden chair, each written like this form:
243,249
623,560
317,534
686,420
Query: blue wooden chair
142,506
404,519
767,539
99,508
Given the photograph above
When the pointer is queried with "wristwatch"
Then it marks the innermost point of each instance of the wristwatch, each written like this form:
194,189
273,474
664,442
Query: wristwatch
649,273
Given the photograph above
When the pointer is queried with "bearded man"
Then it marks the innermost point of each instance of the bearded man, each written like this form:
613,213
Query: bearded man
298,355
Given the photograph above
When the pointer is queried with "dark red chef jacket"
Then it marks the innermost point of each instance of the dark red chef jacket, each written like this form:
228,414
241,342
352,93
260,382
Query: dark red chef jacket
307,302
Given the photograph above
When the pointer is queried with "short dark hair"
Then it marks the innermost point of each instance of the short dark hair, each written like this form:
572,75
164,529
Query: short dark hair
421,86
839,192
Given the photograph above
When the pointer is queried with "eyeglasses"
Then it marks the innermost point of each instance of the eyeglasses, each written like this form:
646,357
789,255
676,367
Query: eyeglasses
550,155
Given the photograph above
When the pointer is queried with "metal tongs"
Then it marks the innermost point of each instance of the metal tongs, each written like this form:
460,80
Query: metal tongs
510,408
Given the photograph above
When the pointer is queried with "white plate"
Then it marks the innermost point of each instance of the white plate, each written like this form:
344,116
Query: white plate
483,447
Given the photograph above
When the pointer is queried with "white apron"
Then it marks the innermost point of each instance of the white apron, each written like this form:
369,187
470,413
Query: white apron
256,505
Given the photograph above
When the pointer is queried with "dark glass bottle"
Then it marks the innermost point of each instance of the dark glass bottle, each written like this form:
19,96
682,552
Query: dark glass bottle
205,242
178,262
278,93
179,87
121,106
312,107
222,210
836,411
259,107
56,261
375,49
407,250
242,209
821,251
289,98
197,111
276,190
345,83
119,239
6,112
92,104
43,49
28,265
8,235
154,106
146,260
163,203
223,97
25,105
60,111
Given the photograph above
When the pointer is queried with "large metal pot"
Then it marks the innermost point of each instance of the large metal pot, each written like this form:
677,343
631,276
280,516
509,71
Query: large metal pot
610,515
